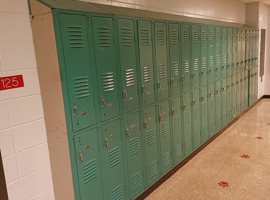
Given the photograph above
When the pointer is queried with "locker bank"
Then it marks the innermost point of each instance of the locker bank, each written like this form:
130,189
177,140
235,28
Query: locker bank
130,95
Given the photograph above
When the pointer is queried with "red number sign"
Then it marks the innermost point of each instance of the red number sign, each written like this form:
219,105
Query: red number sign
11,82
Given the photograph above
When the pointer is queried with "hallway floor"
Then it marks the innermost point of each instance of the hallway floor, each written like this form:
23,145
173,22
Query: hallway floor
236,165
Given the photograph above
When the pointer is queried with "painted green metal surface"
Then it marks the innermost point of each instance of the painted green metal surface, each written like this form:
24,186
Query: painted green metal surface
196,118
235,46
238,96
224,52
230,52
211,54
204,55
218,56
211,109
234,96
204,114
229,99
195,56
224,102
187,123
218,105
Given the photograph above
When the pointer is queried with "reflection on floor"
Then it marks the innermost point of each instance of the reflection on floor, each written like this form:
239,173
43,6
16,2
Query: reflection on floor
235,166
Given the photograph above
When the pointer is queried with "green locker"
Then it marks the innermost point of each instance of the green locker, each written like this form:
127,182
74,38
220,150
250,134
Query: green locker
152,170
238,100
229,99
187,124
239,50
230,52
224,52
196,120
161,60
88,165
252,86
113,160
211,110
242,100
146,61
243,49
235,46
165,136
218,105
211,54
234,94
127,51
224,102
204,55
245,89
79,77
255,84
247,60
107,73
185,52
195,55
177,129
218,58
134,157
174,53
204,114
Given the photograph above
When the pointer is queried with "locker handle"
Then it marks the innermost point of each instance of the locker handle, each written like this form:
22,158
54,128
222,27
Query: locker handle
228,65
159,85
210,71
128,133
160,118
223,67
193,75
184,107
202,73
210,95
172,82
216,69
102,101
145,125
80,156
194,102
223,88
106,143
143,90
217,91
75,109
202,98
125,95
173,112
242,62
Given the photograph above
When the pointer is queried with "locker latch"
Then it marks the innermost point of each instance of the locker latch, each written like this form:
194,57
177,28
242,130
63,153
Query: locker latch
194,102
216,69
217,91
193,75
160,117
143,90
223,67
202,73
75,109
172,81
210,95
183,78
128,133
184,107
159,85
102,101
125,95
145,125
106,143
210,71
173,112
223,88
80,156
202,98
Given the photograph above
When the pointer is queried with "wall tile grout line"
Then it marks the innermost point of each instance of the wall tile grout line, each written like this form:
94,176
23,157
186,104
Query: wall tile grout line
3,187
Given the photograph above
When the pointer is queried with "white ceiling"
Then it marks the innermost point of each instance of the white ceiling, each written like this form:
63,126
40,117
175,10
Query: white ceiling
263,1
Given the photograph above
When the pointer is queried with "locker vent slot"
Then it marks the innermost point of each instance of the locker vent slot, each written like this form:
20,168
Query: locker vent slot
104,36
166,159
211,104
187,117
176,123
151,139
175,69
188,144
81,87
218,38
185,37
117,193
145,37
136,180
130,77
134,146
211,36
186,66
203,36
147,74
75,37
195,36
196,112
160,37
90,171
211,61
162,72
195,64
229,58
204,108
152,169
218,60
108,81
224,58
114,157
174,36
178,150
197,138
204,62
165,129
126,36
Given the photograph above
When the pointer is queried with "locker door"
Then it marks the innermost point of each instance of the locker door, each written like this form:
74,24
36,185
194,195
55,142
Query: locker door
88,165
218,106
204,115
174,53
239,49
242,100
204,55
187,124
196,120
106,67
237,94
229,99
234,102
79,77
224,51
127,49
245,89
151,145
165,136
185,51
235,45
243,48
177,130
146,61
132,135
161,60
113,160
224,102
218,54
211,110
211,55
247,60
230,52
255,84
195,54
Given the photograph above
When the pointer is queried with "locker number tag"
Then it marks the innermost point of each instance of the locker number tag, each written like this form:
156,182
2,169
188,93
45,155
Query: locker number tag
11,82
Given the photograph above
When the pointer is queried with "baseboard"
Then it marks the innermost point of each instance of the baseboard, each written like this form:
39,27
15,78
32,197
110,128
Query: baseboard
3,185
266,96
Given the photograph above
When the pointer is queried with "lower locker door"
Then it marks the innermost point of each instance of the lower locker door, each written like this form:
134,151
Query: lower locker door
204,114
233,93
255,85
187,124
134,154
196,122
242,100
88,165
151,145
177,130
218,106
113,160
211,110
229,100
224,103
237,96
165,137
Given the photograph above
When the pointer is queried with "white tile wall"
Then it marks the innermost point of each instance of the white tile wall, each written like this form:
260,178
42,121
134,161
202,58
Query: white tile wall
11,168
49,194
4,116
6,143
14,191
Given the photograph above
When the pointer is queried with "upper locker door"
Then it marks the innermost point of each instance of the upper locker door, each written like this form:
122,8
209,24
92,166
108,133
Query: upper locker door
211,54
165,136
247,60
230,52
235,46
187,124
107,73
211,110
174,53
243,49
79,71
239,47
204,114
146,61
218,53
224,52
161,60
204,56
134,154
129,74
185,52
196,120
195,55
